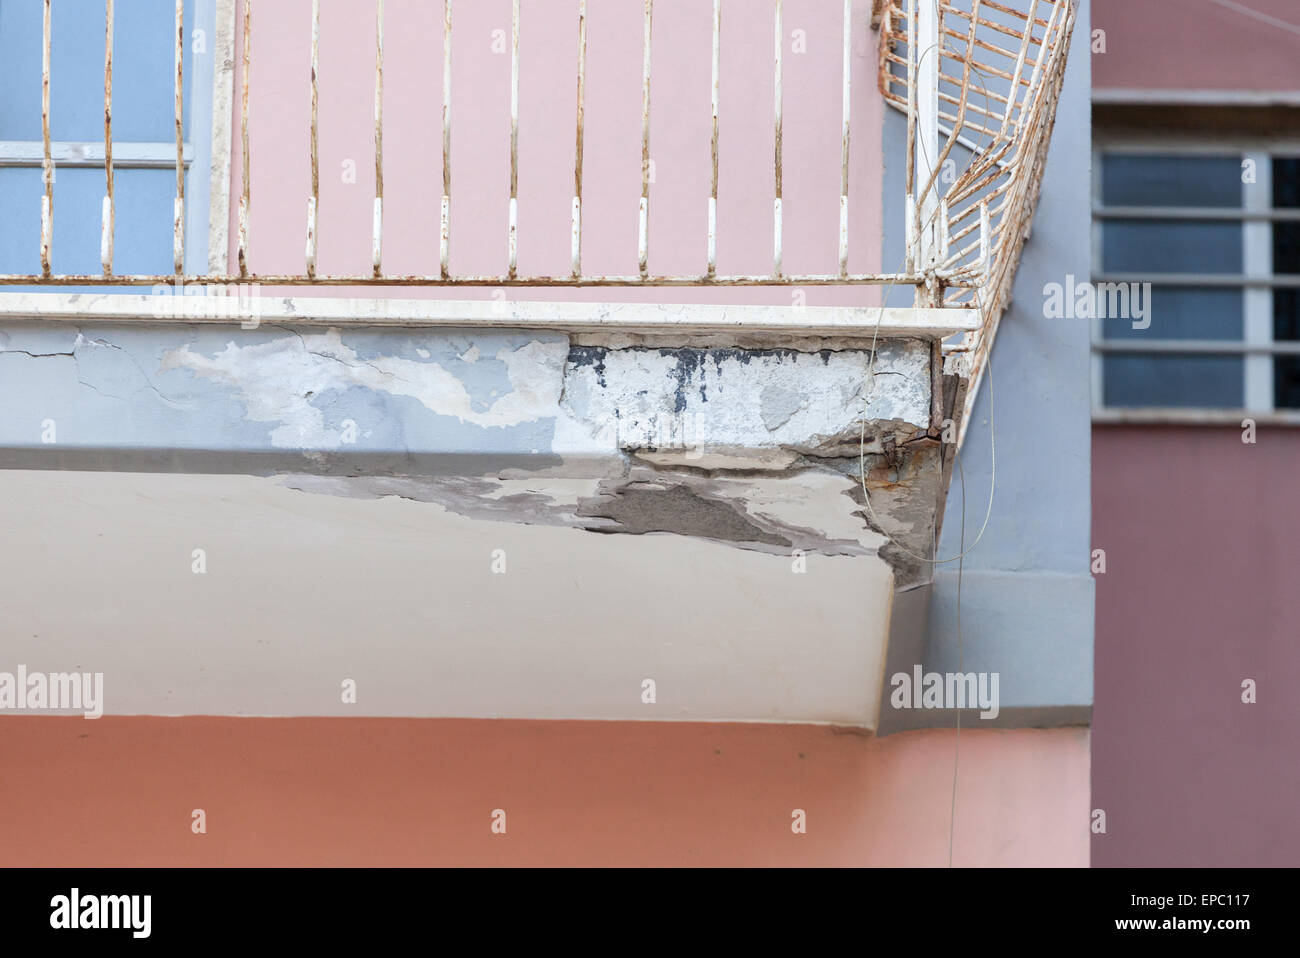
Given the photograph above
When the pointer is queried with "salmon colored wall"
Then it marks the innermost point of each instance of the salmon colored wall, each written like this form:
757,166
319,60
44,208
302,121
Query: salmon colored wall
120,791
679,142
1196,45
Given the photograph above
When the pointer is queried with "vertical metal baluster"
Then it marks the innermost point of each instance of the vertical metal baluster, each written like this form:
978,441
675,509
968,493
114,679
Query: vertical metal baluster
713,182
47,167
378,247
313,202
108,212
513,269
910,225
576,240
776,204
643,245
445,231
246,200
844,145
178,208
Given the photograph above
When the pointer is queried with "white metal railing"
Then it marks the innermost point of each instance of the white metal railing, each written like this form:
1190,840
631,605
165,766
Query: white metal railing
510,276
984,74
991,73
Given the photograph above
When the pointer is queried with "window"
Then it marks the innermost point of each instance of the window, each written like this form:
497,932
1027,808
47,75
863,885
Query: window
144,147
1215,231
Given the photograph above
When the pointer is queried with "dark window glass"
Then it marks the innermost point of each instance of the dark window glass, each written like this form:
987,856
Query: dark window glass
1286,182
1286,247
1157,180
1286,314
1286,382
1286,302
1204,381
1175,312
1171,246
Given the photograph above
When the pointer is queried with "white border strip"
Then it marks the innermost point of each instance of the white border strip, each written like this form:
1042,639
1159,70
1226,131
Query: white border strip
1125,96
647,318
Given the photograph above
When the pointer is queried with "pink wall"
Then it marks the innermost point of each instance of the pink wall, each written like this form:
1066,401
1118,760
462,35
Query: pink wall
1196,45
680,141
120,791
1202,540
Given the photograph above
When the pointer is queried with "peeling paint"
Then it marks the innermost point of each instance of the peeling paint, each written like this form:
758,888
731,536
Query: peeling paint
279,379
748,448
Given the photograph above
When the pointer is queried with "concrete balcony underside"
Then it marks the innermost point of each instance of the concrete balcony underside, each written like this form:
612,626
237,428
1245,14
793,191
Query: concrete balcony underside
473,522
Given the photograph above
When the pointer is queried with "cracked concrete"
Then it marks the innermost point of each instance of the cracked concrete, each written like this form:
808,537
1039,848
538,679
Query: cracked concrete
756,448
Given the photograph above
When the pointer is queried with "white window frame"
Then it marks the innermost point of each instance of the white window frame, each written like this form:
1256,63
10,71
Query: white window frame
1257,280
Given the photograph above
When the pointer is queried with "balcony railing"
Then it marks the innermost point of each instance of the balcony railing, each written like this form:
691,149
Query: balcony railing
994,77
979,85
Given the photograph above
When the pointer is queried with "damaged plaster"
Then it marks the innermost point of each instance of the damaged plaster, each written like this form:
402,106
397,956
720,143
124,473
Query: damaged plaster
278,379
753,448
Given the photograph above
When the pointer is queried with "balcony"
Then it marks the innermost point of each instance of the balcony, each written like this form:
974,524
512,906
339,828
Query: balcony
503,358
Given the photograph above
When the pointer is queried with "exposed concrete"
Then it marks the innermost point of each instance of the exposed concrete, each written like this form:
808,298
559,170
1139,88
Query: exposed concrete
693,458
757,448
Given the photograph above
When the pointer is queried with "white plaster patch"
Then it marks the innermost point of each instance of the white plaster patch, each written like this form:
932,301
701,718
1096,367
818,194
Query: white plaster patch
665,401
279,380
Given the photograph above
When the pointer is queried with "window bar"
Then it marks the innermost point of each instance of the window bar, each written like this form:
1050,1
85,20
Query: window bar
776,204
313,202
1257,301
576,250
844,145
108,212
643,244
47,166
513,269
178,214
245,201
713,183
445,231
378,247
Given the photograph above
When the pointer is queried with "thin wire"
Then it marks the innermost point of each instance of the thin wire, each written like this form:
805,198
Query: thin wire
871,376
961,669
963,551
